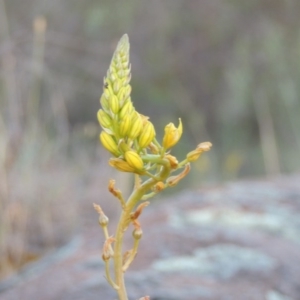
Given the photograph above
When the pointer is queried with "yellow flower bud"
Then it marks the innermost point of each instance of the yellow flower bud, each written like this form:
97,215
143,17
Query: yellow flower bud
134,160
116,86
104,103
121,165
137,126
127,91
125,125
126,109
103,118
121,96
172,135
109,143
147,135
114,104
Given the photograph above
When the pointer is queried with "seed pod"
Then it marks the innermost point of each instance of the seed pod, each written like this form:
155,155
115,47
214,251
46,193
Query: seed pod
109,143
134,160
147,135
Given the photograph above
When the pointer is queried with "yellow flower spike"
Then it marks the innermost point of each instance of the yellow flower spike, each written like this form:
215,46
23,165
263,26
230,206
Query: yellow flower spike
173,180
195,154
109,143
125,125
173,161
121,165
147,135
114,104
104,119
137,126
134,160
172,135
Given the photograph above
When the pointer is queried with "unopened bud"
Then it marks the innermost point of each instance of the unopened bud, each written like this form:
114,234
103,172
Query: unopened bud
109,143
104,119
121,165
114,104
125,125
103,220
134,160
137,126
137,233
147,135
126,109
104,103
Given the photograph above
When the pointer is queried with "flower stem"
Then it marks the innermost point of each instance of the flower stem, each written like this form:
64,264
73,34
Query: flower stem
136,196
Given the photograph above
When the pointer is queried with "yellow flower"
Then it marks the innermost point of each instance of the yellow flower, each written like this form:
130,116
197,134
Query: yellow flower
109,143
172,135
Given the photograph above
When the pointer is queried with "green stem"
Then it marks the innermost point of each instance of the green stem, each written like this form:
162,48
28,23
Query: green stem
136,196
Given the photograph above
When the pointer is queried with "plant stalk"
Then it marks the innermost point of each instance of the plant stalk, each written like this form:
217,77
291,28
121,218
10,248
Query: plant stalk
136,196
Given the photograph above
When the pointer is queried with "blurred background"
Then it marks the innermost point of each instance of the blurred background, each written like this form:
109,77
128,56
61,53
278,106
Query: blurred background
230,69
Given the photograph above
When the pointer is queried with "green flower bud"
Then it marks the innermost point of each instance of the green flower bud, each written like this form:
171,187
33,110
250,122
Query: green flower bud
104,119
104,103
137,234
114,104
126,109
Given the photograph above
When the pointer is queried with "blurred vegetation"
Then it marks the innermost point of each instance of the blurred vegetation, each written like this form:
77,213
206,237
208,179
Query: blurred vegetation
230,69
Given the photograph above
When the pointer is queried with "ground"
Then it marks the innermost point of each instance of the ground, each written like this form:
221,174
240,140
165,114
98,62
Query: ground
239,241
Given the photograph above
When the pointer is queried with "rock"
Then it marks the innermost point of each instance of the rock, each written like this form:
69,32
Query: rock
239,241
